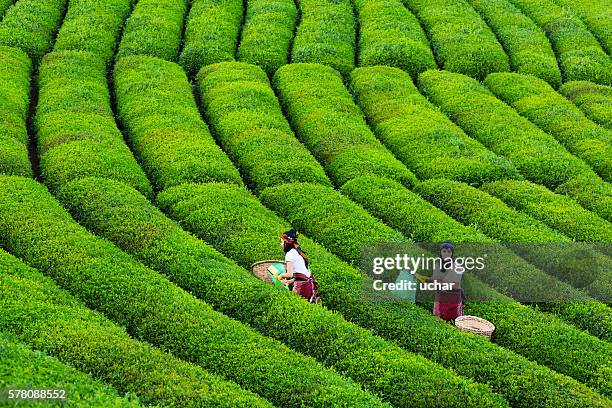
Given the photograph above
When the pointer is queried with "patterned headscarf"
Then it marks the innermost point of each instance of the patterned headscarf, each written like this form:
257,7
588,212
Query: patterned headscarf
291,237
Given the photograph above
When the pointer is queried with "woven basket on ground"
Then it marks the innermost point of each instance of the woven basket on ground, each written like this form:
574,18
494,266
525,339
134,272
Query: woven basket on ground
260,269
475,325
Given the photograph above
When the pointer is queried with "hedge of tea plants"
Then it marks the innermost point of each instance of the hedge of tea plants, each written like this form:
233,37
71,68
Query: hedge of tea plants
534,99
267,34
580,55
461,40
15,74
593,99
158,112
22,366
154,28
325,34
526,44
211,34
391,35
537,155
597,15
329,123
76,131
53,321
203,271
246,118
417,133
213,210
36,228
31,25
321,223
557,211
94,26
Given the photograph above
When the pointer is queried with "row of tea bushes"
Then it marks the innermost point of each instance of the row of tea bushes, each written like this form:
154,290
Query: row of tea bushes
22,366
493,217
325,34
195,266
77,134
461,40
537,155
246,118
15,71
579,54
326,120
31,25
391,35
212,210
211,34
154,28
526,283
307,207
417,133
593,99
526,44
267,33
534,99
93,26
558,211
156,107
597,15
56,323
36,228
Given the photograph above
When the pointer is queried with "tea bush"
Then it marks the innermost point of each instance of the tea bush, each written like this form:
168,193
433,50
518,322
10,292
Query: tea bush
593,99
15,69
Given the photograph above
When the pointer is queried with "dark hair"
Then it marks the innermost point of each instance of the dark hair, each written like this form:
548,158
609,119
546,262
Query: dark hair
446,245
290,242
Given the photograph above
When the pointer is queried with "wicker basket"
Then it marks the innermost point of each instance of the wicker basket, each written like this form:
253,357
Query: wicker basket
260,269
476,325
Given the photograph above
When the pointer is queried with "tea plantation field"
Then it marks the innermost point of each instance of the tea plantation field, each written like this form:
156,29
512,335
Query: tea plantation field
152,150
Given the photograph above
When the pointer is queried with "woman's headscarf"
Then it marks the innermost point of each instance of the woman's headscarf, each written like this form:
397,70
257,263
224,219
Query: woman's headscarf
446,245
291,238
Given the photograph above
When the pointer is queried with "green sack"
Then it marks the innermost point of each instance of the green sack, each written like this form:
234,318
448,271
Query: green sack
274,271
408,295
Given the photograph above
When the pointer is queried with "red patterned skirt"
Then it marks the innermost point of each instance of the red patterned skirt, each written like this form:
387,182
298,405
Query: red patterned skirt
448,305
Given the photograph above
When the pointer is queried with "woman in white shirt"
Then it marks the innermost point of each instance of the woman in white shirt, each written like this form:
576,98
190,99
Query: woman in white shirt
304,283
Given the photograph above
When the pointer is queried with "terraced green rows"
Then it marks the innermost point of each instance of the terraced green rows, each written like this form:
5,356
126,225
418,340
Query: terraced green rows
167,133
76,130
210,209
55,322
327,121
537,155
593,99
461,40
348,357
537,101
20,365
246,118
526,44
580,55
419,134
37,229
